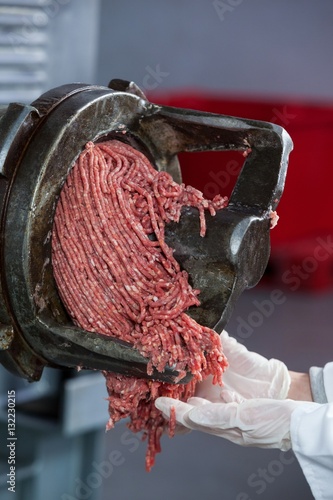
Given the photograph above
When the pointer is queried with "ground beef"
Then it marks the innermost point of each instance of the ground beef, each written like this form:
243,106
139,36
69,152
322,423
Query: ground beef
117,276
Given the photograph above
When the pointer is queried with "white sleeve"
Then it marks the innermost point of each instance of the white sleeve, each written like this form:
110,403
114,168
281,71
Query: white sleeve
311,433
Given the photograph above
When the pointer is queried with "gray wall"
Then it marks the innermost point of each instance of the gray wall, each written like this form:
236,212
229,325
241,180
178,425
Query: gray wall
265,48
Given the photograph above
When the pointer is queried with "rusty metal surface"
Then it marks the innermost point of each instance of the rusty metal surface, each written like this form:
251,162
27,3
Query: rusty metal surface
40,145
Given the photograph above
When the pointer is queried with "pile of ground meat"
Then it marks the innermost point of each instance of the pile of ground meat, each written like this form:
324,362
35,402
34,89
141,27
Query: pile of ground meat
117,276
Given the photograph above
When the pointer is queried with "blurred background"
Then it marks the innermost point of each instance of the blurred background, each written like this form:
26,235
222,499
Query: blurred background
262,60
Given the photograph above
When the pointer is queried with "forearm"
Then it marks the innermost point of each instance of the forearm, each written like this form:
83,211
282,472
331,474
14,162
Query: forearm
300,388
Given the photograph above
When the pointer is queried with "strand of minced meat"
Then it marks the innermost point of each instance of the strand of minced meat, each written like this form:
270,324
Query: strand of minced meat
116,279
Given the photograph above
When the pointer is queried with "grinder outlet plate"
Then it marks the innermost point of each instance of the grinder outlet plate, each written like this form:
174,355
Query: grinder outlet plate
39,144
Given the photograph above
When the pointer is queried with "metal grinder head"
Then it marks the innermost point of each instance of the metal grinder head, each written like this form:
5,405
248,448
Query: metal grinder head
38,145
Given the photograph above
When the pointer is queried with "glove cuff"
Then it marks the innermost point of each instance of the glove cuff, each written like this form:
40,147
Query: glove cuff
281,382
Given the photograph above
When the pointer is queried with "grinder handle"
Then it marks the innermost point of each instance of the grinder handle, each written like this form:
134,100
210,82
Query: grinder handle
260,184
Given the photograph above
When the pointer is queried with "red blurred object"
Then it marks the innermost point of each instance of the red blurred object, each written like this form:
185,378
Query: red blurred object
306,207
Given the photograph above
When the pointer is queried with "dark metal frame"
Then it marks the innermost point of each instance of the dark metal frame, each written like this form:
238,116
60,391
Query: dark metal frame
39,144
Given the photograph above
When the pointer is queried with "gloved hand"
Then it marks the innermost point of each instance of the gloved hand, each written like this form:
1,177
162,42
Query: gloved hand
249,375
250,409
264,423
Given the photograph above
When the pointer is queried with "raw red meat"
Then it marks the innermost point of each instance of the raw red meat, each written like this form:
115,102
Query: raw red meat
115,279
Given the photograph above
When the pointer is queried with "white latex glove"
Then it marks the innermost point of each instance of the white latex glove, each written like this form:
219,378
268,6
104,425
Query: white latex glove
249,374
264,423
